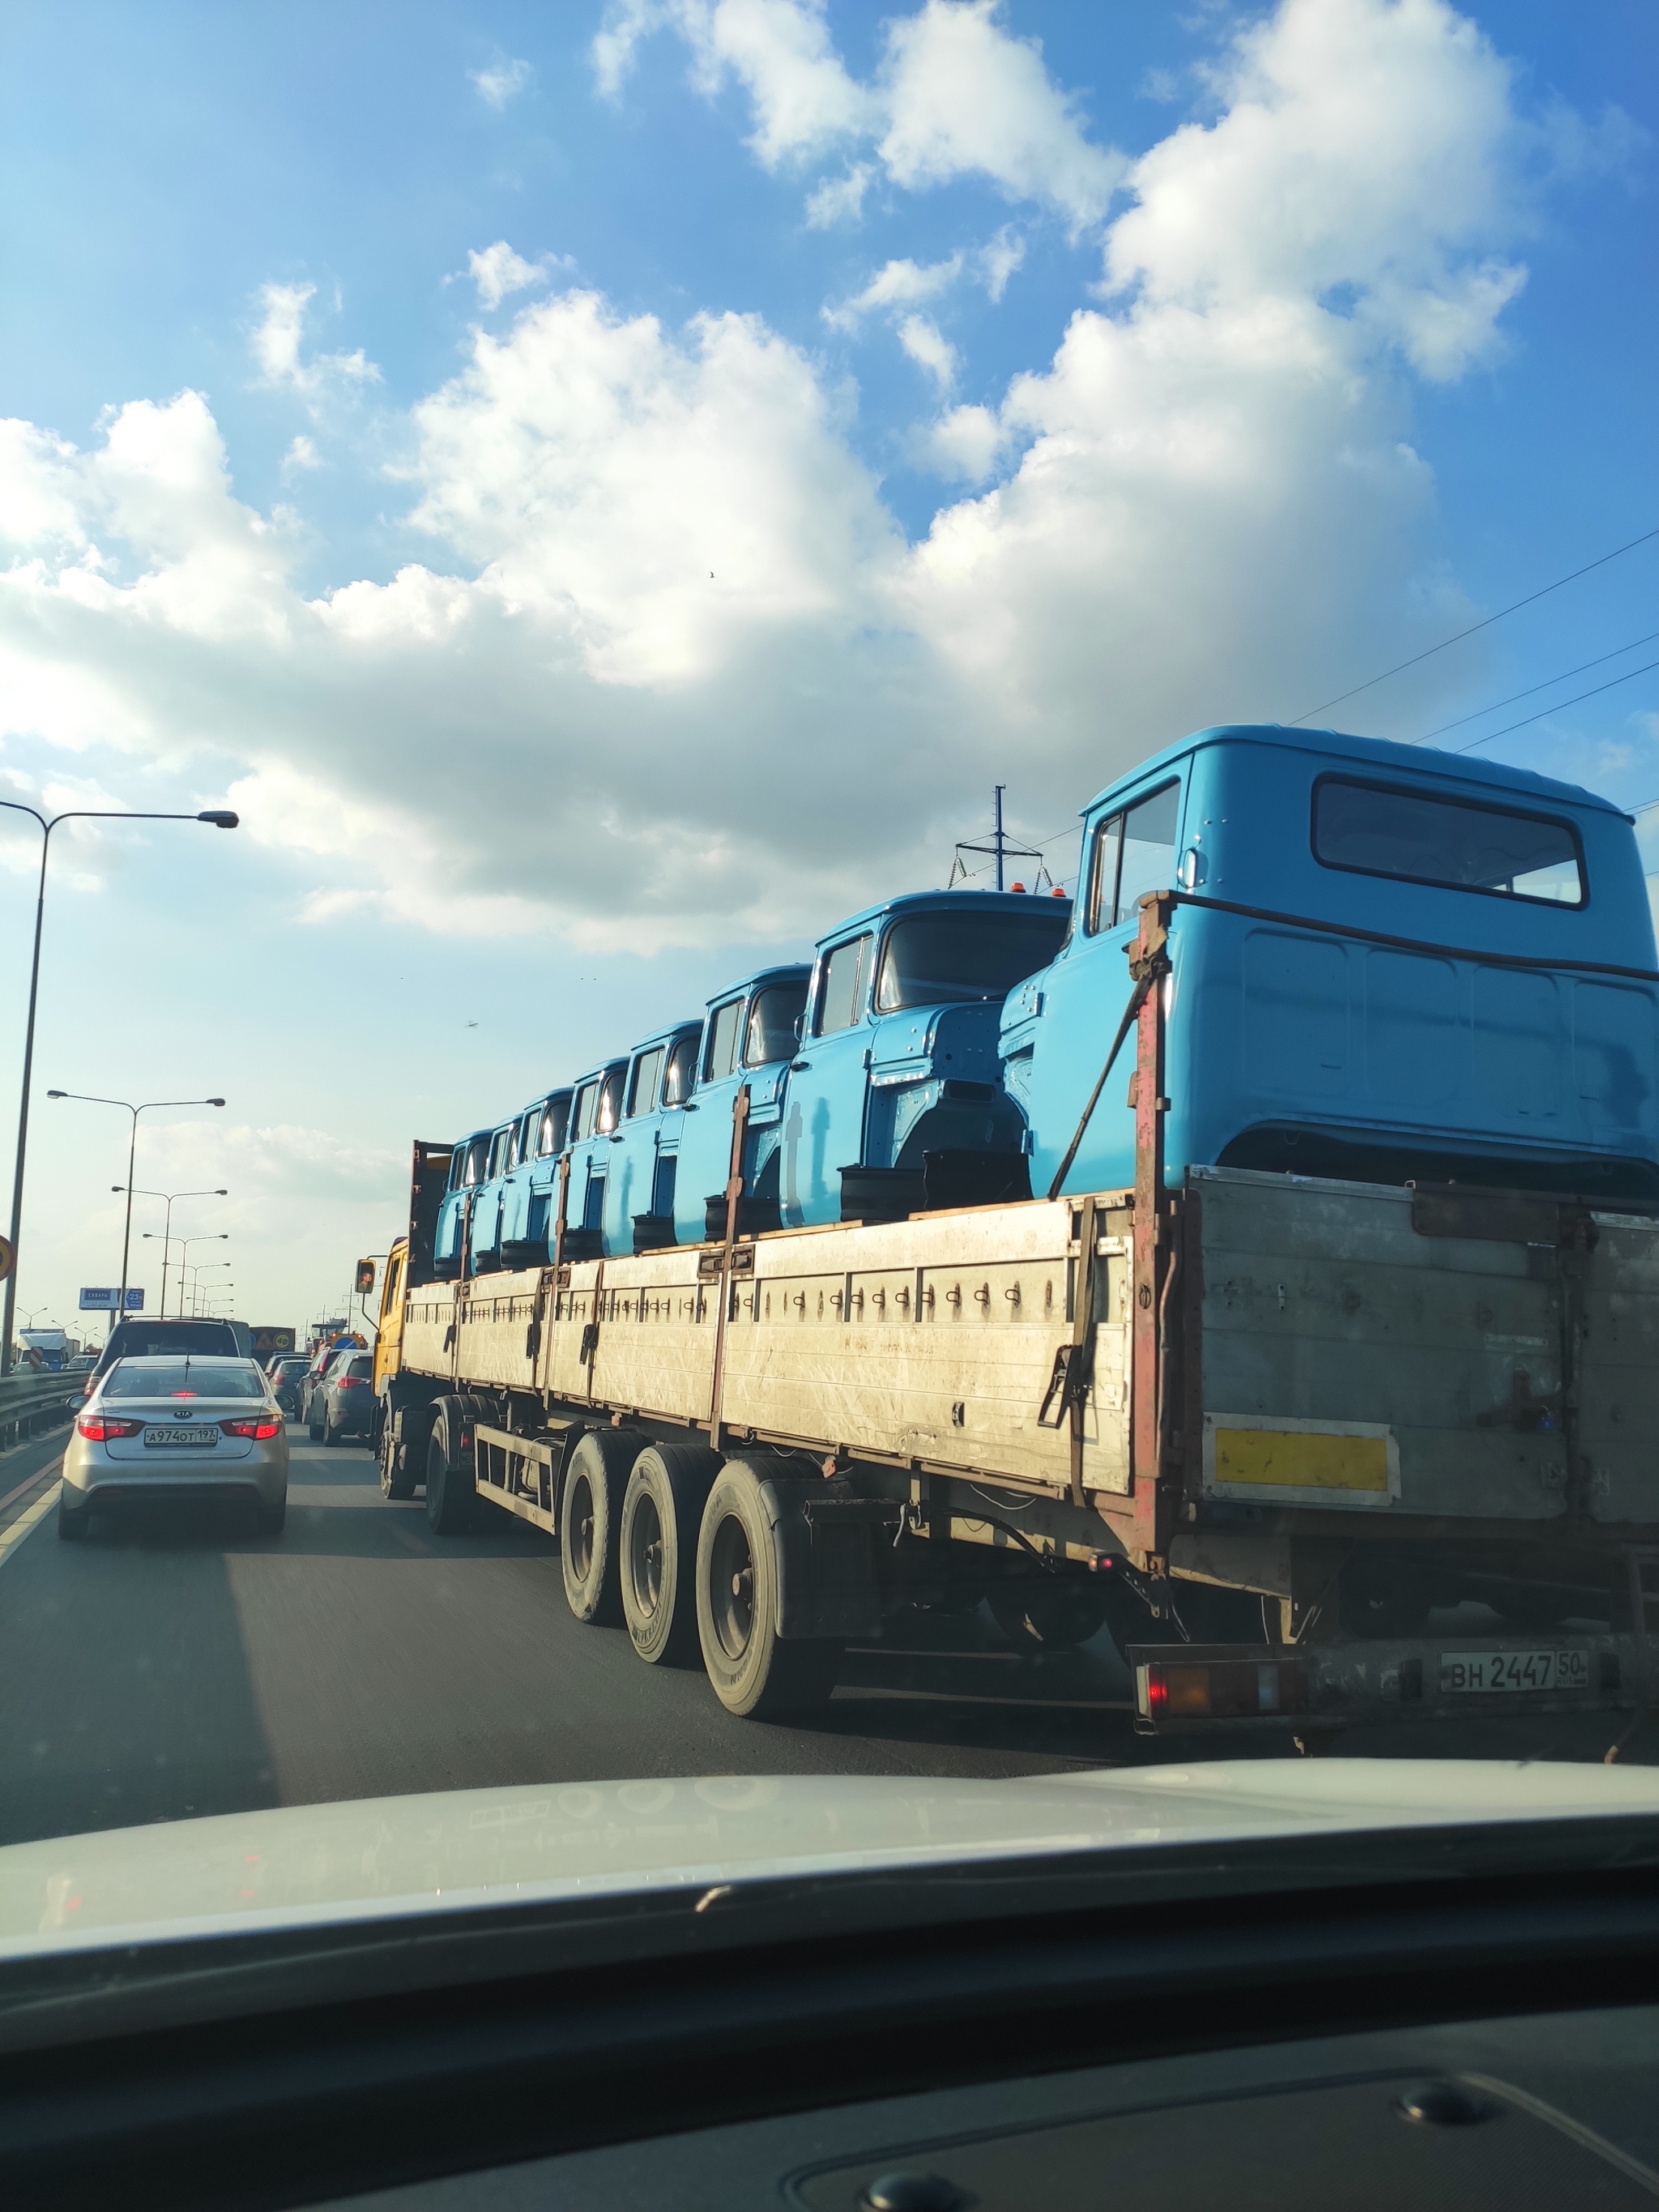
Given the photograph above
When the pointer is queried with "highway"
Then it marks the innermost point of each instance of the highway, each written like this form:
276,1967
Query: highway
186,1666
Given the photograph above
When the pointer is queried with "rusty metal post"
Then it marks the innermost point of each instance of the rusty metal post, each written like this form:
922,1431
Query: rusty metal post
733,1200
1149,963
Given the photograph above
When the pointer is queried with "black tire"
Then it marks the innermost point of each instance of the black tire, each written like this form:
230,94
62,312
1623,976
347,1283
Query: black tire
755,1674
331,1435
657,1550
312,1429
268,1519
590,1523
72,1520
398,1468
450,1498
1052,1613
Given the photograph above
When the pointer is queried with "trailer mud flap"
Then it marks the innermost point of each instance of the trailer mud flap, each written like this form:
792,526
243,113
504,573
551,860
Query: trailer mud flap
825,1555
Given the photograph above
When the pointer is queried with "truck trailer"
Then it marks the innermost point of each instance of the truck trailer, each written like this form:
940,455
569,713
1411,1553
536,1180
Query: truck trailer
1341,1310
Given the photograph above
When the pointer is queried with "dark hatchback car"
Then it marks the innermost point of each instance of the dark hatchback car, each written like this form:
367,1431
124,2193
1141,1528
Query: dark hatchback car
343,1403
287,1374
151,1340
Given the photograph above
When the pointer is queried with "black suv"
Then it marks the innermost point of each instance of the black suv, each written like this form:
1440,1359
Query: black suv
142,1339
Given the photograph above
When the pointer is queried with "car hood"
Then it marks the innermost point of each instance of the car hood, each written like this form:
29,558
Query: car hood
369,1858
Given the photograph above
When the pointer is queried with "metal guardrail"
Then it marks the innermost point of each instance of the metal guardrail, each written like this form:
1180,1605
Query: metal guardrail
30,1402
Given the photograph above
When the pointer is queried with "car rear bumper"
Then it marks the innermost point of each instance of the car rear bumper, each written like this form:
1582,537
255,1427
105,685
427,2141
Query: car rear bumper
103,1482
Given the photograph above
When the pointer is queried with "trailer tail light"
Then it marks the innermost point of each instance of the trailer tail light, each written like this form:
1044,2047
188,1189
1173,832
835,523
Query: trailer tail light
99,1428
1219,1689
260,1426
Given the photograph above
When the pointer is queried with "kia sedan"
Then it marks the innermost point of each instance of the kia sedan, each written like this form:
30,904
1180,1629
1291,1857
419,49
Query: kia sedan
176,1427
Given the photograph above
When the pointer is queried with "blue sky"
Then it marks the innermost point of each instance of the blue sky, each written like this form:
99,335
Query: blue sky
1037,381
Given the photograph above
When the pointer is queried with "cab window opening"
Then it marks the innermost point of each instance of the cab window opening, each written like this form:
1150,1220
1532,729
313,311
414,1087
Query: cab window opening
841,994
610,1107
1133,852
1455,844
642,1087
723,1033
586,1099
682,1070
772,1027
953,959
555,1117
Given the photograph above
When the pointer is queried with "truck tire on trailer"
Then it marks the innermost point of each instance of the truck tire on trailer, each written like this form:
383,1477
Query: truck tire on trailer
451,1499
755,1673
590,1522
657,1550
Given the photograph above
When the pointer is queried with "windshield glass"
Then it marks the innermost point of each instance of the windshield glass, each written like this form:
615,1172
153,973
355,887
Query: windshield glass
938,959
196,1378
1431,841
774,1017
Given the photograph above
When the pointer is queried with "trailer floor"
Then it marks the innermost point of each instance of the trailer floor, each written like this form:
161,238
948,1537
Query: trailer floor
188,1667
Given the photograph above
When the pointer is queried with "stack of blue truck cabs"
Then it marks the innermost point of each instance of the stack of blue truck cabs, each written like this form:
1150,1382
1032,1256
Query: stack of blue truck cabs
1387,964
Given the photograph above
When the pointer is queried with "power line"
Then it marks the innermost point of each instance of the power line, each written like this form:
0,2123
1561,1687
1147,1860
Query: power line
1430,651
1560,677
1613,684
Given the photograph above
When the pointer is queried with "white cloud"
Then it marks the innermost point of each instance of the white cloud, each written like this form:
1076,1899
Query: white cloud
498,271
964,99
955,95
301,456
839,199
277,337
671,672
898,284
501,82
922,339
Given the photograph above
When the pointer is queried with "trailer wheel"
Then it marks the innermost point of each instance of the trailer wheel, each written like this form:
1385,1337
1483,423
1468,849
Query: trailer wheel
1051,1613
451,1499
754,1672
590,1516
396,1453
657,1550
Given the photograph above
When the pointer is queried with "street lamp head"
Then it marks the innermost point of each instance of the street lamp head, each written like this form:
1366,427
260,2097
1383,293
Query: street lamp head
221,818
215,1102
63,1094
222,1194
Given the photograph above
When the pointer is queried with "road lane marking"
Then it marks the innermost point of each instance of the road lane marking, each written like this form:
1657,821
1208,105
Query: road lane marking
25,1522
29,1481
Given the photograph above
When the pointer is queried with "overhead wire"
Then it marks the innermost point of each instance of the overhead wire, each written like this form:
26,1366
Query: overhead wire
1559,677
1486,621
1612,684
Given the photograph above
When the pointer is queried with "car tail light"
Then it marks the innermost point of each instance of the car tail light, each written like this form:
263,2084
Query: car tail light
99,1428
350,1382
260,1426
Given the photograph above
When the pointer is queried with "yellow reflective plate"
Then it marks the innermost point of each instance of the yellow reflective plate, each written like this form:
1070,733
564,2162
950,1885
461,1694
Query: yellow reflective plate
1318,1462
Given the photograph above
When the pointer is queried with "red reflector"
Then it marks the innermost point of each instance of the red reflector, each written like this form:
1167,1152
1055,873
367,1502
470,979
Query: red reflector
99,1428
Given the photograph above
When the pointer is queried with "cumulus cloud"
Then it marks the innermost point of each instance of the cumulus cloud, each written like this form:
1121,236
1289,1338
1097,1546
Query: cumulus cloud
279,336
955,94
669,671
498,271
501,82
301,457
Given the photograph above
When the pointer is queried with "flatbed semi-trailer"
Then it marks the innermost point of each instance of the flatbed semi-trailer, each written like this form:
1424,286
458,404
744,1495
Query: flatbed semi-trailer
1260,1426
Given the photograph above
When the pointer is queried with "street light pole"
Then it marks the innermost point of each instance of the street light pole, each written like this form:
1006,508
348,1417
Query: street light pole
88,1098
220,818
167,1234
184,1242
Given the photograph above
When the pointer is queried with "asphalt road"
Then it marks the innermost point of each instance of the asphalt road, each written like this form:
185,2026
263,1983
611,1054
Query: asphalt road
186,1665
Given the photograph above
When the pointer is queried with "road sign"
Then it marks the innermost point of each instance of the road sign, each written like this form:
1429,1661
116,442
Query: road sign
106,1300
8,1257
269,1338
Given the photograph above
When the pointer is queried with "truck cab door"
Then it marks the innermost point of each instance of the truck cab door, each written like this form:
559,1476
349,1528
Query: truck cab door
705,1151
824,1109
631,1169
1063,1021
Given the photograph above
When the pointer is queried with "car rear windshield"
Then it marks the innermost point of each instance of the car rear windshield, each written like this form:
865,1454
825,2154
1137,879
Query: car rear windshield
361,1368
1377,831
144,1340
940,959
190,1378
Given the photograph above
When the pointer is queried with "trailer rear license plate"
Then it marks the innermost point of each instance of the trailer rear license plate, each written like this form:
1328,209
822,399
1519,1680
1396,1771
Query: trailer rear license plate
166,1438
1513,1670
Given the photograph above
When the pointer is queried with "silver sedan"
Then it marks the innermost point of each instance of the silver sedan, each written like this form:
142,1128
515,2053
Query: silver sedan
171,1426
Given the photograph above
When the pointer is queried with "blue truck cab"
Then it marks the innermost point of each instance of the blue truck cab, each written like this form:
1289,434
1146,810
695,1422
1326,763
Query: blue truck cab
1388,965
643,1169
894,1099
467,1166
595,1110
748,1037
530,1193
501,1154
